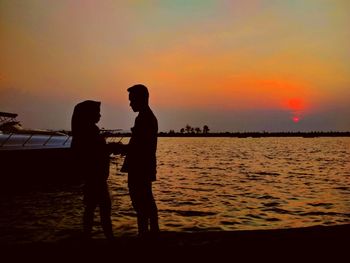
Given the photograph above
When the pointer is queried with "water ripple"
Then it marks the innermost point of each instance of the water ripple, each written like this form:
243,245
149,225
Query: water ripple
189,212
230,183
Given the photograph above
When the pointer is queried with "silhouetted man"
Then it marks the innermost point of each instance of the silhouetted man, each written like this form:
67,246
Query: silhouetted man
140,161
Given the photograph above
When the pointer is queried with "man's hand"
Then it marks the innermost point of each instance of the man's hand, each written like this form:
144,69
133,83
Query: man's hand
117,148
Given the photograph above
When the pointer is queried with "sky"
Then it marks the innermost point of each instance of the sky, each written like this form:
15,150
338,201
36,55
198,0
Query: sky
233,65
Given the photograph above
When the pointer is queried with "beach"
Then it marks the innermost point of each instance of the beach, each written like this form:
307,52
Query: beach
298,245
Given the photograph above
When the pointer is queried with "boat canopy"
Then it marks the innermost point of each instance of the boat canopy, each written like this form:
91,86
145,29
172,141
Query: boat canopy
8,114
7,117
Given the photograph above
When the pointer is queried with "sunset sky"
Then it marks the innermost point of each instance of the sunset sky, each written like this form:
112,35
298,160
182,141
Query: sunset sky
234,65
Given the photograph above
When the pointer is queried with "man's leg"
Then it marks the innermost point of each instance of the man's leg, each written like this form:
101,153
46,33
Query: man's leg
137,195
152,209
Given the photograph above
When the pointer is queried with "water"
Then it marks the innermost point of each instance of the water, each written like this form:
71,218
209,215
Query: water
233,183
207,184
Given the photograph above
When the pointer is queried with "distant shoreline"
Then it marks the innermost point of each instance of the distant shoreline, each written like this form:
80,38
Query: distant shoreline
244,134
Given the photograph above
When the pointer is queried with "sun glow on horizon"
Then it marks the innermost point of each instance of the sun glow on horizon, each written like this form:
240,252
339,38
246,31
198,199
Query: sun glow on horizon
297,108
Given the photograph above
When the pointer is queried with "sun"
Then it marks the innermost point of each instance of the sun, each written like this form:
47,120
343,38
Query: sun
296,119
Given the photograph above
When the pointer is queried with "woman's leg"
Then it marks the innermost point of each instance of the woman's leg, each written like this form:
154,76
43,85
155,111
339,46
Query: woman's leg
105,211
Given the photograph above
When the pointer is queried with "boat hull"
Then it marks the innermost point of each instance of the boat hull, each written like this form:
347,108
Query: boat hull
21,168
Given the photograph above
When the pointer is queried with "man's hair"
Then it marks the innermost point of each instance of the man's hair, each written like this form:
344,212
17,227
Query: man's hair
140,91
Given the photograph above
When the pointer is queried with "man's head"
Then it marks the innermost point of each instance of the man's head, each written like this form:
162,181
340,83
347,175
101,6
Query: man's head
138,97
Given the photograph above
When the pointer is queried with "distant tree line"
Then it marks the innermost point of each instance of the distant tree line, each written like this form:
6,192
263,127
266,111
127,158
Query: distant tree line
194,130
189,131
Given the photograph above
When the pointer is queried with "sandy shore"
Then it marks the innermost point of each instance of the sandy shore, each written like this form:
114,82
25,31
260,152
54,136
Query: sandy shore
329,243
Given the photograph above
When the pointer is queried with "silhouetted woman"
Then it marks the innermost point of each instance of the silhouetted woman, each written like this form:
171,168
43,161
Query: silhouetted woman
92,156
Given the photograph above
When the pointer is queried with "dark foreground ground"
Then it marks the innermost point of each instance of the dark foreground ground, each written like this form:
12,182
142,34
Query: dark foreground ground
312,244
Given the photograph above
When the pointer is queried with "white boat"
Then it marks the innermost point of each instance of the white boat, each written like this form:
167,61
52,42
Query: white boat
14,137
30,156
